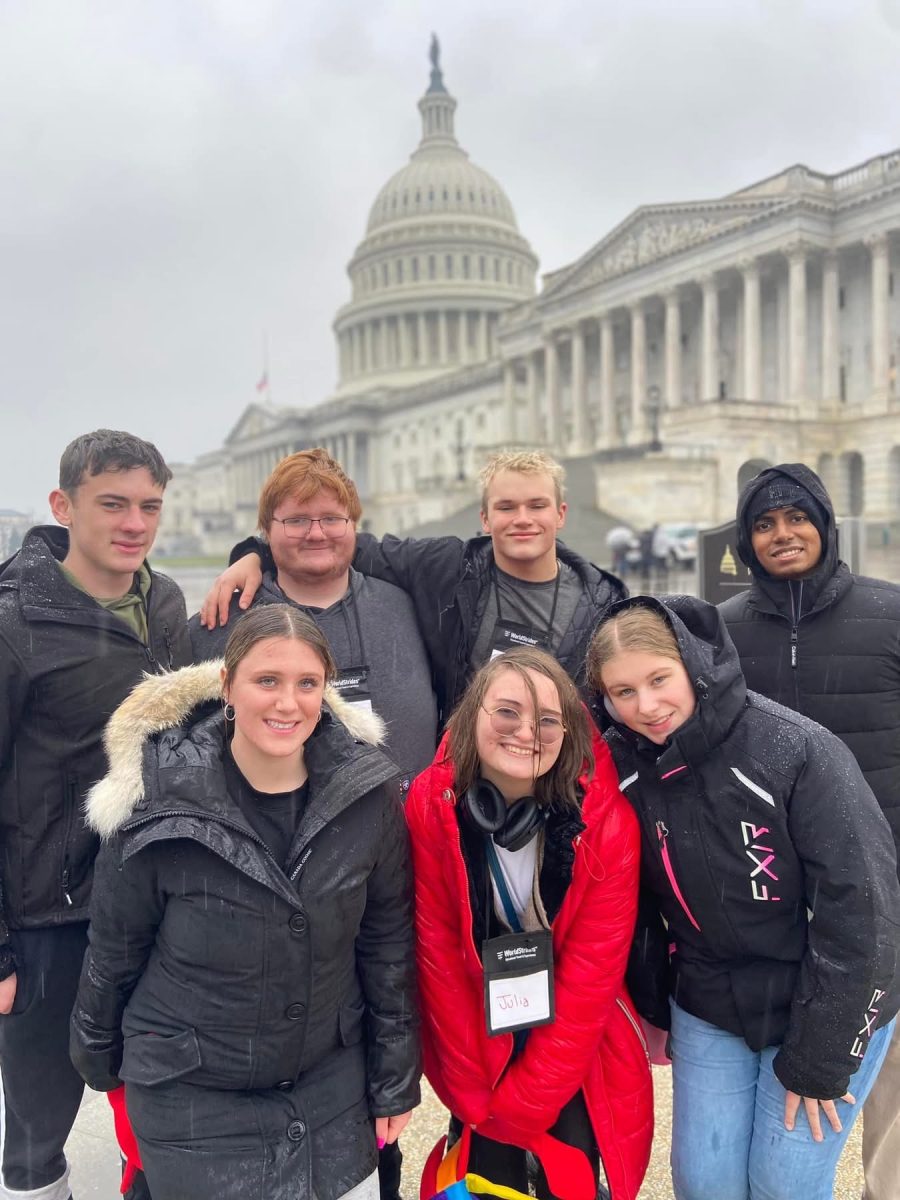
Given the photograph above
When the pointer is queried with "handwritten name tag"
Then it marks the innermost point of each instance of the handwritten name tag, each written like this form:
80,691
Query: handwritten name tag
518,981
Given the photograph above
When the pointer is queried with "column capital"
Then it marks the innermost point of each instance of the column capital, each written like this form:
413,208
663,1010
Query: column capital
672,295
638,306
748,264
797,249
876,241
708,281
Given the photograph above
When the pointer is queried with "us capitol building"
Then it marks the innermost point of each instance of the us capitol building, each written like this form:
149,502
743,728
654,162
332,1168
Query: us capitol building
694,344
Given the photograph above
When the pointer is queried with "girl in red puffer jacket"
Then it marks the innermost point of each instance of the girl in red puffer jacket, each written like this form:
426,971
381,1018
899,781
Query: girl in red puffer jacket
526,865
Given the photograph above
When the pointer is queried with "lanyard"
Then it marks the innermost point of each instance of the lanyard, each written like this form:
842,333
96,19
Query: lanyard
496,871
549,633
351,603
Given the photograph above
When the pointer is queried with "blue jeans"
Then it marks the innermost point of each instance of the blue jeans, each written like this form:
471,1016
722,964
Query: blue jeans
728,1136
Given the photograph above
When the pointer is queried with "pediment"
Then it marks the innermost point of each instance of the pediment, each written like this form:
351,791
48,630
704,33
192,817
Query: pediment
253,421
656,232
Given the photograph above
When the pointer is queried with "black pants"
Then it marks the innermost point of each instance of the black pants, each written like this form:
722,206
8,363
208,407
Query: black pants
390,1161
508,1165
41,1088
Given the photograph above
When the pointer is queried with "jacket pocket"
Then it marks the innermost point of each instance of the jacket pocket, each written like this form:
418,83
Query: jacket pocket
151,1059
350,1020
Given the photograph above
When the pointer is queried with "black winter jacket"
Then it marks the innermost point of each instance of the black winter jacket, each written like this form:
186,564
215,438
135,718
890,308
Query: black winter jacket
445,578
65,665
210,964
752,817
827,646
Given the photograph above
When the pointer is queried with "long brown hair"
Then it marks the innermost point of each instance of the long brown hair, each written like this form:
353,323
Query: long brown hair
559,785
637,628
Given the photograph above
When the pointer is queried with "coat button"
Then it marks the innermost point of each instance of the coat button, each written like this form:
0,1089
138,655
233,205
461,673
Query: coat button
294,1012
446,794
297,923
296,1131
285,1085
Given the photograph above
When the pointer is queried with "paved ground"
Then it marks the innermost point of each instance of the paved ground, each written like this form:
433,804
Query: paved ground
95,1174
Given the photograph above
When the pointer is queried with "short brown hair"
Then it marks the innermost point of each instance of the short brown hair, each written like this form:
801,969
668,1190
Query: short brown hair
524,462
559,786
109,450
303,475
275,621
638,628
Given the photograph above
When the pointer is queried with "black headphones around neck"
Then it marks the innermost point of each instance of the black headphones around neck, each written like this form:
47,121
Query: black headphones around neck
512,826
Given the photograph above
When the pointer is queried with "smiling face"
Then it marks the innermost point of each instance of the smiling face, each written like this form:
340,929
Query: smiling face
276,691
786,543
651,693
112,520
316,557
512,761
523,516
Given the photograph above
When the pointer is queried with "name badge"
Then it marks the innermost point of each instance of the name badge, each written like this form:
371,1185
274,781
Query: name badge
509,634
352,684
518,981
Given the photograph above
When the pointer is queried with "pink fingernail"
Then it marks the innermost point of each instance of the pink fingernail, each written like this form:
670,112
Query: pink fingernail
381,1143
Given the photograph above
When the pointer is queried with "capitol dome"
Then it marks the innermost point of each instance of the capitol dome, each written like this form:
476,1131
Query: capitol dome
441,259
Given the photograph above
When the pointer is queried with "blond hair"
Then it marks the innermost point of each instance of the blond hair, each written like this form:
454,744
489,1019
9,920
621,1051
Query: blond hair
523,462
639,629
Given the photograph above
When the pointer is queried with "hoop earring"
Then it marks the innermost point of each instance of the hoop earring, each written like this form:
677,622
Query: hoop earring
229,716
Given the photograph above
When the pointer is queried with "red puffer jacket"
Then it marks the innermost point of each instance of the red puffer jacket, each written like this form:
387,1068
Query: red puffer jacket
595,1042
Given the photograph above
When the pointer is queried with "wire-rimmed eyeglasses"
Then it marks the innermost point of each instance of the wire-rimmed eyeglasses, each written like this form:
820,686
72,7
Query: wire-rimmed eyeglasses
507,721
300,527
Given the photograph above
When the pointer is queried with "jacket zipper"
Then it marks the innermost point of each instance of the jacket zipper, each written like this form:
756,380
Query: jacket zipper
662,833
634,1025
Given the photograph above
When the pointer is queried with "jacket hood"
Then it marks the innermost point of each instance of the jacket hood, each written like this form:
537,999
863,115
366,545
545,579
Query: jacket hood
711,661
162,702
42,545
807,478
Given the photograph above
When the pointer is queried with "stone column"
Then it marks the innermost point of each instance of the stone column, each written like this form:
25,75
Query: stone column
881,356
533,432
354,351
443,354
831,349
367,334
607,377
709,377
509,401
403,335
638,371
581,441
752,331
796,256
673,349
462,334
348,462
423,339
484,350
551,388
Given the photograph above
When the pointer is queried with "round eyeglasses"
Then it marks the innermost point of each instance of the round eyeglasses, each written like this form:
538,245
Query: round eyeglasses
507,721
300,527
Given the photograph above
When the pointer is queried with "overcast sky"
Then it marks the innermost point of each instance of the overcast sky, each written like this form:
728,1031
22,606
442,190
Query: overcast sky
180,177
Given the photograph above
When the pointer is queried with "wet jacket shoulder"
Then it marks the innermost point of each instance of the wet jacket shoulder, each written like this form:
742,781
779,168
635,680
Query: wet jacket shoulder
65,665
588,882
828,647
752,815
446,578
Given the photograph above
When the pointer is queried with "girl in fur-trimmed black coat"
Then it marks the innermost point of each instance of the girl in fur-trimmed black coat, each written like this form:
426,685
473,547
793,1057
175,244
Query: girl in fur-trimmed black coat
250,973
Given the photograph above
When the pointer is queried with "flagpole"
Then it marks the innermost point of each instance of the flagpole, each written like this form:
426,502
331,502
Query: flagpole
266,375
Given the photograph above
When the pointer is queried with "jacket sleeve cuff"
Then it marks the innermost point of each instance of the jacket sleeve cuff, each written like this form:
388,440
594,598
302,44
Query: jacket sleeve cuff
7,962
804,1081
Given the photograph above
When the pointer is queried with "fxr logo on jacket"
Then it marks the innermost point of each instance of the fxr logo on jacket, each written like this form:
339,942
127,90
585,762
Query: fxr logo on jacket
752,847
870,1016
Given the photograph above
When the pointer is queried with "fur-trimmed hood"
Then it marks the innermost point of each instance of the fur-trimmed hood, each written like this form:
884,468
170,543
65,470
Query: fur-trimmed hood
166,701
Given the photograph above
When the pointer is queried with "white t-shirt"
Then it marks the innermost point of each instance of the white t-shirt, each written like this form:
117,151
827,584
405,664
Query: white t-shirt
517,867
